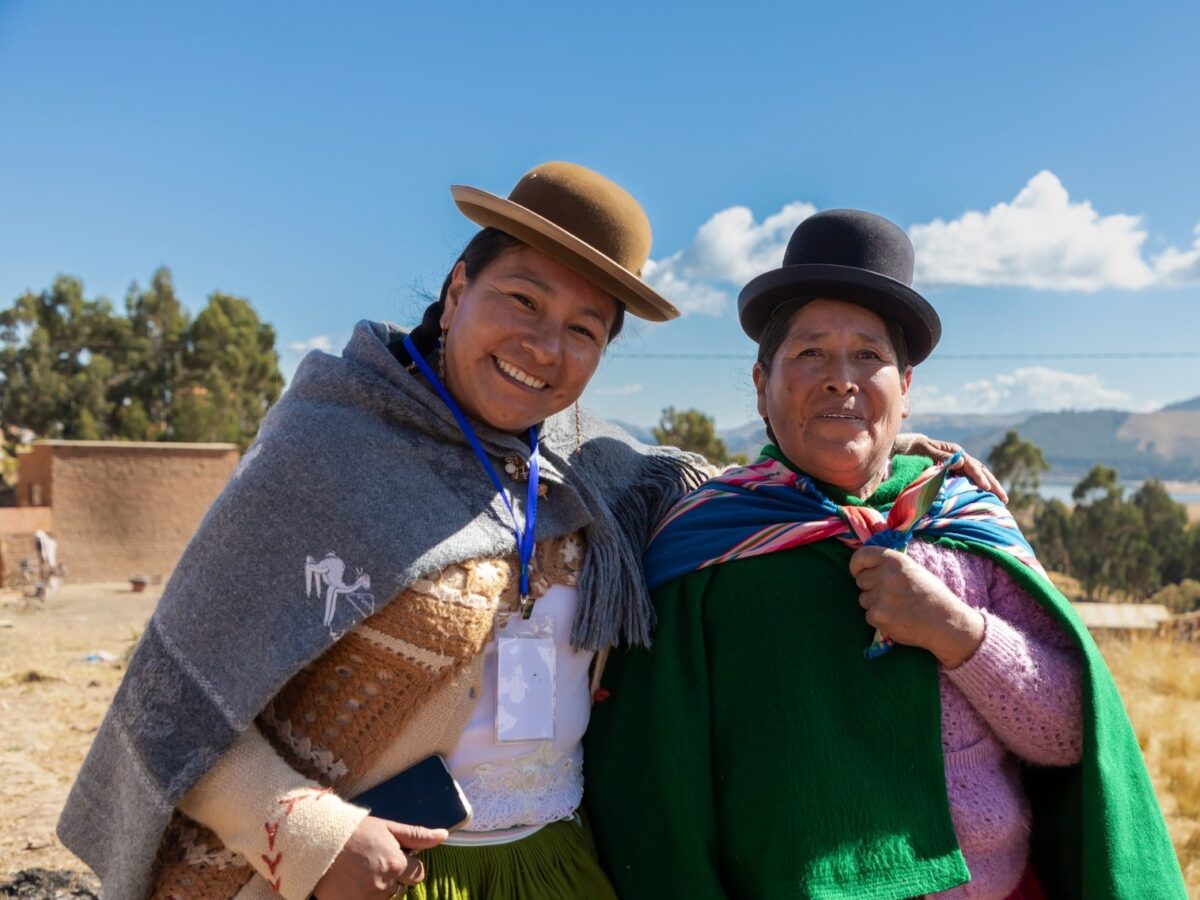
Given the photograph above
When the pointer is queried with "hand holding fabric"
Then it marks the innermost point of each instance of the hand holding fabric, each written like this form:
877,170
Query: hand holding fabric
915,443
374,864
911,606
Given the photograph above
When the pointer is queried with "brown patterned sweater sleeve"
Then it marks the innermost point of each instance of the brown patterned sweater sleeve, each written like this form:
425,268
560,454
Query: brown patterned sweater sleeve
288,827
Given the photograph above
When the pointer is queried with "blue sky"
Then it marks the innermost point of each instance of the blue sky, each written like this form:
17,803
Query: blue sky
1042,156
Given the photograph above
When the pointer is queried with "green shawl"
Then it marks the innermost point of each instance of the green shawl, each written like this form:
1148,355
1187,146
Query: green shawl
755,753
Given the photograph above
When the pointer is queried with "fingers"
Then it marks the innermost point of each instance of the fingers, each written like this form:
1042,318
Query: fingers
416,837
981,475
865,559
414,872
939,450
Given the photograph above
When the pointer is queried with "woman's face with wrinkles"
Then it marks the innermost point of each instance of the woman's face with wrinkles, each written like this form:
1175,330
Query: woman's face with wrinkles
835,395
523,338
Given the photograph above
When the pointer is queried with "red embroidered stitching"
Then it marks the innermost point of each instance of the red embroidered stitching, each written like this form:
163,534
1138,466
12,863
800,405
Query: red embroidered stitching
271,832
272,863
311,794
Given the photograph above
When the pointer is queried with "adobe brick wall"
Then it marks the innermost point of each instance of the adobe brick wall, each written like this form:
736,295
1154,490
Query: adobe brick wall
25,520
34,487
123,509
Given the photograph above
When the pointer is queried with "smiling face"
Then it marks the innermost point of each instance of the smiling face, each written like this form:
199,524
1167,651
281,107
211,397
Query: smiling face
523,338
835,395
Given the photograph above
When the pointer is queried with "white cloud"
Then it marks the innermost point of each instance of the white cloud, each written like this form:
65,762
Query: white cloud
323,342
1180,266
728,250
621,390
691,296
1039,240
1030,388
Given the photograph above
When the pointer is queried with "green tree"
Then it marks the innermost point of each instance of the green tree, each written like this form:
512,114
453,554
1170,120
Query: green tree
1166,529
231,374
692,430
160,334
1109,549
1019,465
1052,536
73,368
55,371
1191,552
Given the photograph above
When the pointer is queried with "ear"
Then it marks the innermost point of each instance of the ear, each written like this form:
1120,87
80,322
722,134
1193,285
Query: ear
905,384
760,387
458,284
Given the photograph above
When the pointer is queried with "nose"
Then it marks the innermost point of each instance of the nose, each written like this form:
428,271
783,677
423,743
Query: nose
543,344
838,377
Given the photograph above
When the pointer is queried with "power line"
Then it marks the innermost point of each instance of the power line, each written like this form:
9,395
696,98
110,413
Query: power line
1148,354
103,344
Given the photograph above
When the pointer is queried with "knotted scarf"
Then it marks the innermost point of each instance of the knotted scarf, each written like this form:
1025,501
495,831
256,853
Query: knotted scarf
767,507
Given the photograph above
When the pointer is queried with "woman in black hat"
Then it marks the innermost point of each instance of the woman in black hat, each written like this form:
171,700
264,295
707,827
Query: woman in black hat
832,708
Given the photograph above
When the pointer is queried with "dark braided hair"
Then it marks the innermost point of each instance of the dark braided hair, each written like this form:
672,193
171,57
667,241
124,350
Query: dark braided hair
483,249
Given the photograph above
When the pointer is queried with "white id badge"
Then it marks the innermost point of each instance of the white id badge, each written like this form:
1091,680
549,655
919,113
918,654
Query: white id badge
525,658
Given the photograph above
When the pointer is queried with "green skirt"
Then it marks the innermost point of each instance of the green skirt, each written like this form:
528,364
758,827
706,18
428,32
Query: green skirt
555,862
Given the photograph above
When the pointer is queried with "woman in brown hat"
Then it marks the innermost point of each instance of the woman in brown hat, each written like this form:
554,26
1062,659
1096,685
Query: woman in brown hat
769,746
422,554
333,622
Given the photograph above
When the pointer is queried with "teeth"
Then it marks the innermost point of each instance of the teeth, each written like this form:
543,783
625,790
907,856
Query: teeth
523,377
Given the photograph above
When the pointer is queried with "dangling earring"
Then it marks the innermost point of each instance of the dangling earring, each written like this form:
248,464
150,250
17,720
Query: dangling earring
578,429
441,354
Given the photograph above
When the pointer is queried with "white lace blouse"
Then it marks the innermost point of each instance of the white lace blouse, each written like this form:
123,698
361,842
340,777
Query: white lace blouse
529,783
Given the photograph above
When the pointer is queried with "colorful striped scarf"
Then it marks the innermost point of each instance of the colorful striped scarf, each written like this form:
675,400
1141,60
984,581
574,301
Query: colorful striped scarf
766,507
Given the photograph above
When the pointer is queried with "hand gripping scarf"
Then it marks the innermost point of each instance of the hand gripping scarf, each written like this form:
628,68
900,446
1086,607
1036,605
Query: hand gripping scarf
1102,834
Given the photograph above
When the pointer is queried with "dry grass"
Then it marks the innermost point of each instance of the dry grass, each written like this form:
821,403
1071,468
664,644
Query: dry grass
52,701
1159,680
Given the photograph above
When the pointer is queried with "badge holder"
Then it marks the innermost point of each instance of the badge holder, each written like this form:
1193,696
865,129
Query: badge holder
525,660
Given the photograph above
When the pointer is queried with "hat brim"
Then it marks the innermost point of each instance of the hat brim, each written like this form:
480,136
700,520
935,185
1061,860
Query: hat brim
559,244
882,295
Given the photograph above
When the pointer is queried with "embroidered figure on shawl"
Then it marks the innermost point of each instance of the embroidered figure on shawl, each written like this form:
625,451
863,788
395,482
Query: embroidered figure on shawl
329,573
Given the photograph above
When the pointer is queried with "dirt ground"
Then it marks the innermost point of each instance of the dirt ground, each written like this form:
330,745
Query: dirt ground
61,662
56,681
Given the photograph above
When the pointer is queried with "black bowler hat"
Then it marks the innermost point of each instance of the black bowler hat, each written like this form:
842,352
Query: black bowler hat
853,256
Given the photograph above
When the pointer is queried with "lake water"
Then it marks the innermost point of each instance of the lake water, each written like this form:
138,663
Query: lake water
1185,494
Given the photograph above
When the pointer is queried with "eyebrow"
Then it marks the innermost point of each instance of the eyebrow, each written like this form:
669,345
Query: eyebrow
532,279
589,310
817,335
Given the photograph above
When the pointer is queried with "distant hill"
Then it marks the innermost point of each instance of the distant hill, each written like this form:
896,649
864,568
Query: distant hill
638,431
1183,405
747,439
1163,444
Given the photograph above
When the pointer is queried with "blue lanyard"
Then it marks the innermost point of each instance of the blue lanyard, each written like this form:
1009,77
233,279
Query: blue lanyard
525,542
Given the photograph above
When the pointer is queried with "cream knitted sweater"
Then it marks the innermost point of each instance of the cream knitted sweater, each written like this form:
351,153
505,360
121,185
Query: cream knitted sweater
269,818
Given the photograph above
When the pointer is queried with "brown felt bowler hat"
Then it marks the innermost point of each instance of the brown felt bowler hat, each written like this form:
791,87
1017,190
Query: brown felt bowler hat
582,220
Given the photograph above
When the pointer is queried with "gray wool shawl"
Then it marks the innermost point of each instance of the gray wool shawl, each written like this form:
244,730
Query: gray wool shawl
358,483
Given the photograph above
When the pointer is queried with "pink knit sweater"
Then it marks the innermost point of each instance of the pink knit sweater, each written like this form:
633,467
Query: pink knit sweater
1017,697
